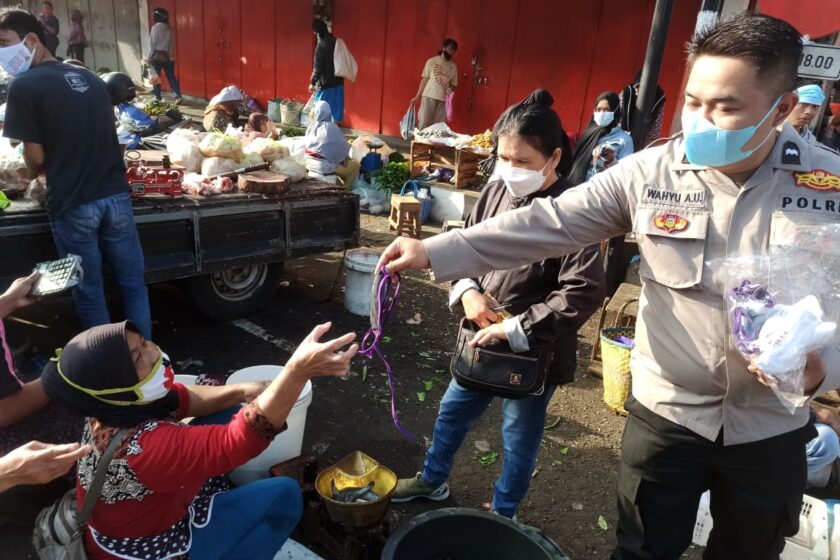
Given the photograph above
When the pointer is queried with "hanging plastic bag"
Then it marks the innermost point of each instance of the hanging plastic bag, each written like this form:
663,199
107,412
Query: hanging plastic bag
782,305
408,122
345,64
448,104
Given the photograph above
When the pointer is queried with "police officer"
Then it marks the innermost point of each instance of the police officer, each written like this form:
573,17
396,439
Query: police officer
811,98
731,184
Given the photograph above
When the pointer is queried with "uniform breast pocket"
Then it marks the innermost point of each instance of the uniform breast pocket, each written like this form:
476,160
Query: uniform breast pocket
672,244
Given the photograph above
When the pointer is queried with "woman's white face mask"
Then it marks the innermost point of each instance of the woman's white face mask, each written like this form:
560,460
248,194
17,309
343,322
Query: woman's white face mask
520,182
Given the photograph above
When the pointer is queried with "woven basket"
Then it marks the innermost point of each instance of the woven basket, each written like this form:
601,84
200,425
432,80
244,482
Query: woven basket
615,358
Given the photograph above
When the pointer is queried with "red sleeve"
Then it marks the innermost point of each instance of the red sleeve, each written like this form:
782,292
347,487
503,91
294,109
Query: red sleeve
175,455
183,400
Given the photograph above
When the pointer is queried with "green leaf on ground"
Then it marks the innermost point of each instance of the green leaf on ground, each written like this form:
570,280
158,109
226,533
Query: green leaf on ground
364,373
414,333
489,458
386,339
428,385
564,451
421,396
602,523
424,354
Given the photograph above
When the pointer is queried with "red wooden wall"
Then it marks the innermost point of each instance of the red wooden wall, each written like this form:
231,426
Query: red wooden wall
574,48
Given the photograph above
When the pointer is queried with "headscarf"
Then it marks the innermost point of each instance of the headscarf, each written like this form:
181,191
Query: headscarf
99,359
323,137
629,114
228,93
590,137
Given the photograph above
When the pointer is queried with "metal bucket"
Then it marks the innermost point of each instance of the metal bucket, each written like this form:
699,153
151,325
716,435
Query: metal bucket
356,471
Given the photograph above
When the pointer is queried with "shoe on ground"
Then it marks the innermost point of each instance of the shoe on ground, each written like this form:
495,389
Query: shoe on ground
411,488
178,101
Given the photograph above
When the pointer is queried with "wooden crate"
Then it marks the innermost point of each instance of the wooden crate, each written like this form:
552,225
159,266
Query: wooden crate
434,156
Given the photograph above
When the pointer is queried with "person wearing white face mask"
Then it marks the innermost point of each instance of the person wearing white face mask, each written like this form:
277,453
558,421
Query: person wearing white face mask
603,142
544,304
63,116
699,417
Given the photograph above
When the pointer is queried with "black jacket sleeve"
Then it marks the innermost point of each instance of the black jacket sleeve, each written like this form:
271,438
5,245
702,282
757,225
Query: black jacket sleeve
580,292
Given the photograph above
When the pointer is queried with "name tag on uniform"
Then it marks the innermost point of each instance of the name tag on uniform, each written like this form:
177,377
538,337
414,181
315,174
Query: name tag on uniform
689,198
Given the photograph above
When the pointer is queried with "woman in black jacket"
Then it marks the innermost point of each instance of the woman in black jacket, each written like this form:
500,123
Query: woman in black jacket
324,84
544,303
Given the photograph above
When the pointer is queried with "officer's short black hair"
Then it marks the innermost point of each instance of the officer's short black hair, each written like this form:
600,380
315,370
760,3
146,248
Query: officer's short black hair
771,45
21,22
449,42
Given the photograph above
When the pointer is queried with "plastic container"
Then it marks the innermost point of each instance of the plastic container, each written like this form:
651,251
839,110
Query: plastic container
356,471
286,445
358,283
466,534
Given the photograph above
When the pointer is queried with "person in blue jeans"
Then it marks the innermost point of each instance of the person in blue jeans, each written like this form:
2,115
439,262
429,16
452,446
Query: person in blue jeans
823,452
541,304
161,53
64,118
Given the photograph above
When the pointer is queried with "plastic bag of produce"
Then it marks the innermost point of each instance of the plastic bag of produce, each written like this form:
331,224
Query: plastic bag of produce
296,146
220,145
182,146
250,160
235,132
273,111
267,149
218,165
289,167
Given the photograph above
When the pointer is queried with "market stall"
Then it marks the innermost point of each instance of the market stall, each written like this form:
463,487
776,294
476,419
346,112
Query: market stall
449,157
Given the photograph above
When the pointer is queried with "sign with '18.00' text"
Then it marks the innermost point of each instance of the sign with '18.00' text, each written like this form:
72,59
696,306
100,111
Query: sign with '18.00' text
820,61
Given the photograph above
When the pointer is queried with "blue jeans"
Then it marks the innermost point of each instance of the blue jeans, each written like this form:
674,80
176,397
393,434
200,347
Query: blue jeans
251,521
523,423
104,230
820,453
169,69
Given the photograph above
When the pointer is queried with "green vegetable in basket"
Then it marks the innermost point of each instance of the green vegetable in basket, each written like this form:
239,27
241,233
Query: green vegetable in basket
291,132
392,176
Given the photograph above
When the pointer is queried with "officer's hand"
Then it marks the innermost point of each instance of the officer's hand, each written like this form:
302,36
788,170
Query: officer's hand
403,253
477,308
814,374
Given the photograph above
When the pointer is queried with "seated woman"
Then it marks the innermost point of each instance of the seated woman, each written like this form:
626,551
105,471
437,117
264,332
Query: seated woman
28,424
325,148
164,493
260,126
223,109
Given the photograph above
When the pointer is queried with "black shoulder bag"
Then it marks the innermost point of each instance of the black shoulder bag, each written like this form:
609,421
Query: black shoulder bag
497,369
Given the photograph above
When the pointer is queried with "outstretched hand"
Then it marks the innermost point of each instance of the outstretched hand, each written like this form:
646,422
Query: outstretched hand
403,253
17,295
39,463
314,358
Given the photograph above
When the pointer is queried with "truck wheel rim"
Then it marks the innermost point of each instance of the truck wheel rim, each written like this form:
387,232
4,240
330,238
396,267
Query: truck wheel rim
238,284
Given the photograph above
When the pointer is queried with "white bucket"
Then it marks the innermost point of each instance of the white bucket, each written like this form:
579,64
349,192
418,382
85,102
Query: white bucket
286,445
358,283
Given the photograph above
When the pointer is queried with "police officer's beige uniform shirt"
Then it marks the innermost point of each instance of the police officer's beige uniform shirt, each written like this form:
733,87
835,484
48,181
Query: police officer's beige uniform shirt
684,367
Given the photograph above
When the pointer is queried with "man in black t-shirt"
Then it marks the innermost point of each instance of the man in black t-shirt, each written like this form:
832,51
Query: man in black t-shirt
64,118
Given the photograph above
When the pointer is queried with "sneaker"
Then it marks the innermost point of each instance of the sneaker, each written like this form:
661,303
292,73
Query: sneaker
178,101
411,488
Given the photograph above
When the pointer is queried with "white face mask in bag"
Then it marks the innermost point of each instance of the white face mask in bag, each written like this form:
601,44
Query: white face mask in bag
519,182
16,59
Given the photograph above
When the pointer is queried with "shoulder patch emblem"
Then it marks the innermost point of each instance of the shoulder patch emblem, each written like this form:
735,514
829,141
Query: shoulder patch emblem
818,179
670,222
790,154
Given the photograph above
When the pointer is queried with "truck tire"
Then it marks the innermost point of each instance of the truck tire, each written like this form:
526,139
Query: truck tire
235,292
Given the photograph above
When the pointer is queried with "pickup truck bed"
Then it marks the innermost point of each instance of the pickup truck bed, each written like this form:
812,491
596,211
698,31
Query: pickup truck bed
231,246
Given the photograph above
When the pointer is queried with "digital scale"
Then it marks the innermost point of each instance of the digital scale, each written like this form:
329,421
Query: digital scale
57,276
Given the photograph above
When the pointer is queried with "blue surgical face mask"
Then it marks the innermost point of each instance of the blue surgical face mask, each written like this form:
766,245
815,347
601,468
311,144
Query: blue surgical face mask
603,118
712,146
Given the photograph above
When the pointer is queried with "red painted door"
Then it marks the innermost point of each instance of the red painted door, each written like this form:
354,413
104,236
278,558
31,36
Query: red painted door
461,26
489,63
189,40
361,24
258,49
294,42
222,44
413,33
